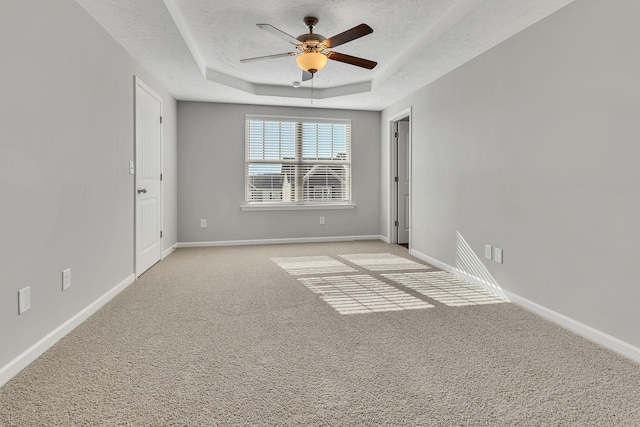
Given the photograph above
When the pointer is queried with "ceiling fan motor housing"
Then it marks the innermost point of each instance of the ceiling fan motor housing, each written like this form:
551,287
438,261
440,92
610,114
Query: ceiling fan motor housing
311,40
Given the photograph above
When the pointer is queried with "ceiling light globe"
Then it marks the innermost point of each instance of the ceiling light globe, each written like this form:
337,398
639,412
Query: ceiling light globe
311,61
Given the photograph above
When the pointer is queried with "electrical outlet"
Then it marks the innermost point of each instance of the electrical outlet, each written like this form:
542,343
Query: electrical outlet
321,220
498,255
488,252
66,279
24,299
203,223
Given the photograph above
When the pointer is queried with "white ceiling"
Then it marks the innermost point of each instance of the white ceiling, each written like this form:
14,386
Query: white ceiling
194,47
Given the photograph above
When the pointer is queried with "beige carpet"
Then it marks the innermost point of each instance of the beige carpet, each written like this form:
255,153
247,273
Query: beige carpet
227,336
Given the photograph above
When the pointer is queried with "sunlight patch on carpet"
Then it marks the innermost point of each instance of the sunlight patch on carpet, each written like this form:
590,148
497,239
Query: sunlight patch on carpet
297,266
384,262
361,294
445,288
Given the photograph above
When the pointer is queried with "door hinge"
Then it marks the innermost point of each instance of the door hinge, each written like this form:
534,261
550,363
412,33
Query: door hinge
160,119
397,134
396,179
161,234
397,223
160,177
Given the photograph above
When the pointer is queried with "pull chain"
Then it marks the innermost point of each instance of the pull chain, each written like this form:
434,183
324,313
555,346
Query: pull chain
312,88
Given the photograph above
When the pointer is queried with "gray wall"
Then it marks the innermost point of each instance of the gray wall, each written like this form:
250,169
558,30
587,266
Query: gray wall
534,147
211,178
66,139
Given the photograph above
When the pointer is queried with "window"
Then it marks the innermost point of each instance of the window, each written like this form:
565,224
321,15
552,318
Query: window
292,161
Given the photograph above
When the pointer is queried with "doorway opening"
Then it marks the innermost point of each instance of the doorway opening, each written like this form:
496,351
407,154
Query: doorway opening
400,203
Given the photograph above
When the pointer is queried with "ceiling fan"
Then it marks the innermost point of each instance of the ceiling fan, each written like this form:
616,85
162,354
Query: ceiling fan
313,50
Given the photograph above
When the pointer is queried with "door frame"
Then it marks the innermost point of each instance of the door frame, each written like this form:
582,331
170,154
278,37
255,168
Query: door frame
138,82
393,164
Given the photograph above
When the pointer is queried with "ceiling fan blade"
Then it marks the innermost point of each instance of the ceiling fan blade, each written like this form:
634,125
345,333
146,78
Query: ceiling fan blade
306,76
349,35
262,58
273,30
348,59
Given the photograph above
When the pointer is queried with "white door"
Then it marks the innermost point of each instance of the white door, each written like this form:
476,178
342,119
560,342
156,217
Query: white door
148,177
403,173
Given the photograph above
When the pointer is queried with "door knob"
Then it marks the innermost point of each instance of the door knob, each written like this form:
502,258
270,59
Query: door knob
142,190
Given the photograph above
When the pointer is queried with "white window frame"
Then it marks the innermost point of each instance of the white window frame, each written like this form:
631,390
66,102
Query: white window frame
298,161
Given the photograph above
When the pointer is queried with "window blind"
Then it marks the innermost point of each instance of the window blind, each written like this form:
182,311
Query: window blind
297,161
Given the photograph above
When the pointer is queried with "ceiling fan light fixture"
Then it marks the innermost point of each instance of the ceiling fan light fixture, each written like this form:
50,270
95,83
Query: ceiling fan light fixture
311,61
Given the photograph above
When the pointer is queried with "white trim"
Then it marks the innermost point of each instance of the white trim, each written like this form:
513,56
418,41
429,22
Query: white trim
278,241
168,251
432,261
592,334
266,117
458,272
385,239
599,337
12,368
295,207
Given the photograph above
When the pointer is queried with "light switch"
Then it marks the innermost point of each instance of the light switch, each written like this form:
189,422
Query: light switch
66,279
24,300
488,252
498,255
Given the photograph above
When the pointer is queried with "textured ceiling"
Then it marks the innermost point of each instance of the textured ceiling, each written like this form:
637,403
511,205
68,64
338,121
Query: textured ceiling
194,47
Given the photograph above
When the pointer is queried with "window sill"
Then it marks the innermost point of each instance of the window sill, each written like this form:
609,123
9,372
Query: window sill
295,207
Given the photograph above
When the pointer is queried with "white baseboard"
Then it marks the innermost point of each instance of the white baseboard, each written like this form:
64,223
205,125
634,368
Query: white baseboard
278,241
32,353
168,251
432,261
478,281
574,326
385,239
599,337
